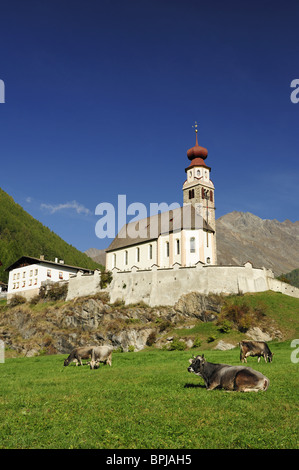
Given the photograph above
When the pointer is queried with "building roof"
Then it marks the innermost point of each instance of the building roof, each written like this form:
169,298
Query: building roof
150,228
197,162
27,260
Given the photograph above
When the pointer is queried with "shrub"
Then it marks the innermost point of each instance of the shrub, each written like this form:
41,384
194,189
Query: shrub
196,343
162,324
151,338
57,291
34,300
131,348
177,345
225,326
211,339
17,300
241,314
106,279
118,303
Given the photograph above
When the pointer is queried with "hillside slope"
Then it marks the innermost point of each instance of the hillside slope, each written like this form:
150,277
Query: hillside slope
99,256
245,237
293,277
21,234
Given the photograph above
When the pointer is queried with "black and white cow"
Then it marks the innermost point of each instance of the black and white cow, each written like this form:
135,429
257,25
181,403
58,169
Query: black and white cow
237,378
255,348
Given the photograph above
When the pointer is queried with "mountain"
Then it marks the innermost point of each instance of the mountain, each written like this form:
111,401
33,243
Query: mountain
245,237
21,234
97,255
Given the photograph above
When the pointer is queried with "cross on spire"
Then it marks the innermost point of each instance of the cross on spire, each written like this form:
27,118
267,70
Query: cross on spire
195,128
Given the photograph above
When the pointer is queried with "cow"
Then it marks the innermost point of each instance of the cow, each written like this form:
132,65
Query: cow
233,378
255,348
78,354
101,354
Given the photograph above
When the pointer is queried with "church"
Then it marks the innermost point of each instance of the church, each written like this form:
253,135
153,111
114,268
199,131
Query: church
184,236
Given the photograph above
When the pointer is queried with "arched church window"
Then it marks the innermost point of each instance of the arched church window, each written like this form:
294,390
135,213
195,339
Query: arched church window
150,252
192,245
167,249
138,254
126,257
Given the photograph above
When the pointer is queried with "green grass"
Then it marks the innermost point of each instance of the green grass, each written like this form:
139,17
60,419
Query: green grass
146,400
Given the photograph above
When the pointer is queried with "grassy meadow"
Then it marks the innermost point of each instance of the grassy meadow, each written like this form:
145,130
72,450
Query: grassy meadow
146,400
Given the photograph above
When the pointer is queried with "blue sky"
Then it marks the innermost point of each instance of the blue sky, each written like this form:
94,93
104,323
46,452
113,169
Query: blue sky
101,96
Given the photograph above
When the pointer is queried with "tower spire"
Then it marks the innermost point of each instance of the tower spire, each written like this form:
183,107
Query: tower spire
195,128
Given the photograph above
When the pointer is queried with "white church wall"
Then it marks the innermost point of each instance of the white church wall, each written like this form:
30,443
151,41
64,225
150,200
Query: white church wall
158,286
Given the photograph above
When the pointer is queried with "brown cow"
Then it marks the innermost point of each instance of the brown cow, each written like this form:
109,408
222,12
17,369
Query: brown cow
78,354
255,348
238,378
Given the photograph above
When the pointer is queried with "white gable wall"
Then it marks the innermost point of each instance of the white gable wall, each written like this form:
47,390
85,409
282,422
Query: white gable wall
30,278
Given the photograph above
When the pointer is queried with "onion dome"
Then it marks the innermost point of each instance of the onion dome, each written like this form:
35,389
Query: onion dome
197,151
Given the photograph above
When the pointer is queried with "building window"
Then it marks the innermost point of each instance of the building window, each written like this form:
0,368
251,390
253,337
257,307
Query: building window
211,196
18,276
24,284
150,252
60,275
126,257
14,285
208,260
167,249
137,255
36,272
31,273
24,274
192,245
30,282
18,285
178,247
35,281
14,276
191,193
198,172
48,272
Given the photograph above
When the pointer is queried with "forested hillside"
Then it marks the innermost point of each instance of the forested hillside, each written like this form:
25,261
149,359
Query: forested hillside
21,234
292,277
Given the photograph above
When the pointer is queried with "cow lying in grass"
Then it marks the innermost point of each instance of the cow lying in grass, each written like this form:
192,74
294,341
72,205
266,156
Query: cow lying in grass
238,378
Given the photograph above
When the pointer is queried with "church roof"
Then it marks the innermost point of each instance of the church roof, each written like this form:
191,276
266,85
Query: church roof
197,162
150,228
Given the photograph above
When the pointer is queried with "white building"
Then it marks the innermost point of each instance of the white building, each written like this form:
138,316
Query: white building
185,236
27,274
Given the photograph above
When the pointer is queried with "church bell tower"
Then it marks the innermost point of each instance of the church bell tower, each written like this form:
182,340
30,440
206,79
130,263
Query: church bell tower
198,188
